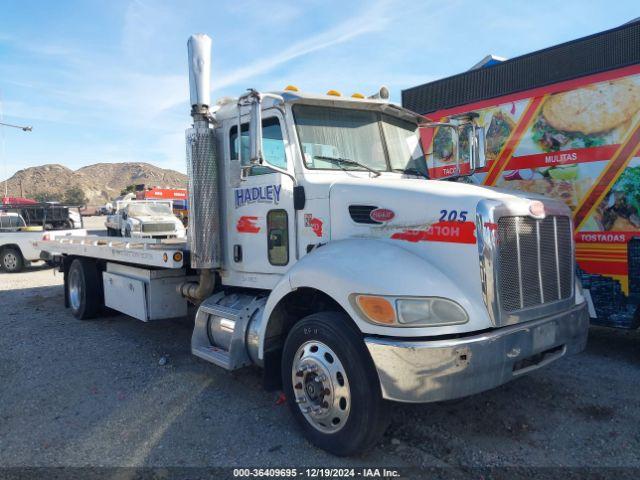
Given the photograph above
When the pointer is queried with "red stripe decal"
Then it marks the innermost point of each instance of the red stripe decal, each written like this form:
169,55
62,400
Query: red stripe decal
447,231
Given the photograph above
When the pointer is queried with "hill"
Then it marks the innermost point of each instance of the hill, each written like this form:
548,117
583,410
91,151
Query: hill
100,182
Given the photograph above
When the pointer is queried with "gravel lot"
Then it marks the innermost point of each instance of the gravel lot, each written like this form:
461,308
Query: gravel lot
95,393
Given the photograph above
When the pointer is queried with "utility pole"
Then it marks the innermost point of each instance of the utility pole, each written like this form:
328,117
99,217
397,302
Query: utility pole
26,128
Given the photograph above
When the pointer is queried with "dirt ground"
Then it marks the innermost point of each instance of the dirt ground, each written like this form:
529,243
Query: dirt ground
96,393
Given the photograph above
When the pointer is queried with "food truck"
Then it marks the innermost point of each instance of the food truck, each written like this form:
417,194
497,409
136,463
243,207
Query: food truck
563,122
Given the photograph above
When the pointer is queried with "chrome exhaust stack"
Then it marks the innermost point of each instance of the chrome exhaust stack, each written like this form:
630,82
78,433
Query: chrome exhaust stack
203,172
202,161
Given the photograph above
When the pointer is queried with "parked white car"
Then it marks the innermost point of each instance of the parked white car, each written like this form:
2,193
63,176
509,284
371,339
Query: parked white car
145,219
18,241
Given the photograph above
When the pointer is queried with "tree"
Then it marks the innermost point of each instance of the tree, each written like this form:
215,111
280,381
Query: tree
46,197
75,196
128,189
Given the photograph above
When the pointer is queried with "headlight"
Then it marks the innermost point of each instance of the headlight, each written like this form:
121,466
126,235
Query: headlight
135,227
430,311
410,312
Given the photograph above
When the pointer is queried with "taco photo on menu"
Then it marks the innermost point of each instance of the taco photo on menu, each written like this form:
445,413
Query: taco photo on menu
497,134
586,117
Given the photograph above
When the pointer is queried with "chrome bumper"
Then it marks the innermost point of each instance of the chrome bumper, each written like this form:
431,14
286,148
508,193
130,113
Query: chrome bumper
430,371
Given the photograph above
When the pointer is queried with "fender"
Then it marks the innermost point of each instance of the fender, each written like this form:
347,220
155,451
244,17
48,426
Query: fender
379,267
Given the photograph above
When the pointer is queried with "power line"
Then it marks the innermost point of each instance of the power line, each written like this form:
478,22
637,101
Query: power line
27,128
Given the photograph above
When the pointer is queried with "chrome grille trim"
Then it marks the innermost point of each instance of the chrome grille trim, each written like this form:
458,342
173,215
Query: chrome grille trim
158,227
545,295
540,282
555,236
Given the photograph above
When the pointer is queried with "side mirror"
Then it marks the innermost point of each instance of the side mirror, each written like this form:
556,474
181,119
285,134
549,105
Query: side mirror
467,146
255,132
453,142
478,148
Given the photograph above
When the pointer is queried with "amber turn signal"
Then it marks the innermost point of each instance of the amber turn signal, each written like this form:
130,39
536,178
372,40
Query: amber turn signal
377,309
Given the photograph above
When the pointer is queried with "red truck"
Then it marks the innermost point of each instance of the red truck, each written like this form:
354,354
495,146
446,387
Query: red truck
562,122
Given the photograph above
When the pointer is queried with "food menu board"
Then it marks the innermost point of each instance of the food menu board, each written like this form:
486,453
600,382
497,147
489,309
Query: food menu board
577,141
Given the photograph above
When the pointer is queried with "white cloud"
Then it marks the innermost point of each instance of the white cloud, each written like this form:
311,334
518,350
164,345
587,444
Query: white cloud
371,21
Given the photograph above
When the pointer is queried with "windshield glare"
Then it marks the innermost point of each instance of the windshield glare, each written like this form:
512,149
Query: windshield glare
150,209
377,140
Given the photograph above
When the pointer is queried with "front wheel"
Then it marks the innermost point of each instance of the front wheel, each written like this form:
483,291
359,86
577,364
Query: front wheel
11,260
331,384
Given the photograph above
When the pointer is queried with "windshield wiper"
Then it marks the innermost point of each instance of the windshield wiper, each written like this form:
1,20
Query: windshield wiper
411,171
346,161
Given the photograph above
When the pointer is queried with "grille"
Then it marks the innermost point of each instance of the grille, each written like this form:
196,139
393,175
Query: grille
362,214
158,227
535,264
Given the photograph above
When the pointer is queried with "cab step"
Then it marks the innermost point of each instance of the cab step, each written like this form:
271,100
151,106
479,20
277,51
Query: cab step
224,330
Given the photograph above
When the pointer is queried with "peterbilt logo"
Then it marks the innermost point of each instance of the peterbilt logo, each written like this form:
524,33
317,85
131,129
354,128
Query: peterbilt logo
536,209
382,214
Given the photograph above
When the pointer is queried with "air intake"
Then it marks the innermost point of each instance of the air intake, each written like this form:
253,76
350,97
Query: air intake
362,214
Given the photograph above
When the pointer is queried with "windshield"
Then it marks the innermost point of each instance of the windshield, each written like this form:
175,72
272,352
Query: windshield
11,222
143,209
374,139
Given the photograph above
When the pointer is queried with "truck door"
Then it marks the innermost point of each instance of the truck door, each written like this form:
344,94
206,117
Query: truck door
261,223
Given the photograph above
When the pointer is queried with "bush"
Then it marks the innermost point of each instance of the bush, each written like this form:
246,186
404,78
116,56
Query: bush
46,197
75,196
128,189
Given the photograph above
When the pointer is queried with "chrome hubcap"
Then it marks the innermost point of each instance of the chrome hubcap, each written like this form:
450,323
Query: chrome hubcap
321,387
74,289
10,261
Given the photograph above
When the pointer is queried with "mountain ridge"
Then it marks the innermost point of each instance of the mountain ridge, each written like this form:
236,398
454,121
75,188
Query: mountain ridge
100,182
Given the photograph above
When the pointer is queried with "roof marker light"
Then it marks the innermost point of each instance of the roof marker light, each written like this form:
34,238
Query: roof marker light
334,93
357,95
291,88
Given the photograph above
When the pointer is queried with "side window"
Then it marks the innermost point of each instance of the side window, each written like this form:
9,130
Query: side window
278,237
272,144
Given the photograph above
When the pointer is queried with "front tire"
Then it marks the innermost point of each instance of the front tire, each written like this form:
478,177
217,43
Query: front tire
11,260
84,289
331,384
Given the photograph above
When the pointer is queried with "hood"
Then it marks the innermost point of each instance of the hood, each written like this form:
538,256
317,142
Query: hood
408,205
434,220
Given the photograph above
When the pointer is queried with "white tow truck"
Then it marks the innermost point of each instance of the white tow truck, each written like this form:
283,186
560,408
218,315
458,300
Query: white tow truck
145,219
317,251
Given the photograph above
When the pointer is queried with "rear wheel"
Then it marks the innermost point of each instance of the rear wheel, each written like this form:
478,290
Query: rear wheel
11,260
331,384
84,289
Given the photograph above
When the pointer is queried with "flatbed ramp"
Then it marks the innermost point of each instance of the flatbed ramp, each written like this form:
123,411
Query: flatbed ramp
162,253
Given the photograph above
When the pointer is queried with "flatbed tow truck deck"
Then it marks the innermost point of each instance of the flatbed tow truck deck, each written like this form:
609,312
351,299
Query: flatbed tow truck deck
163,253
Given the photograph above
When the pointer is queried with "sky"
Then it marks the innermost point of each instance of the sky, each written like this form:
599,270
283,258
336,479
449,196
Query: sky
107,81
